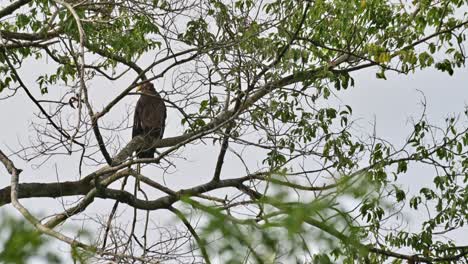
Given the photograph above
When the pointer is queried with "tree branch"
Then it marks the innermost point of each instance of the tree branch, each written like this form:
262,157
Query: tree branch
9,9
27,215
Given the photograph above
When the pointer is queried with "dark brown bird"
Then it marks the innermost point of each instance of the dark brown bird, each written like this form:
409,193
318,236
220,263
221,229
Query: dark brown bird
149,118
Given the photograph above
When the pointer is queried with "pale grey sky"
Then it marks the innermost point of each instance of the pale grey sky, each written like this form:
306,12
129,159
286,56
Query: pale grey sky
392,103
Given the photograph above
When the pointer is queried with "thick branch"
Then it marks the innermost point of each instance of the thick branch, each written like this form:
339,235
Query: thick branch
222,153
8,164
25,212
30,36
82,187
50,190
9,9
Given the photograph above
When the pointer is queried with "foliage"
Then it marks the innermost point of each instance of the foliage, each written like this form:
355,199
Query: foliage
245,75
20,243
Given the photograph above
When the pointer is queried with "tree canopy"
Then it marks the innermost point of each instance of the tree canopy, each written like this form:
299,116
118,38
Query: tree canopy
252,81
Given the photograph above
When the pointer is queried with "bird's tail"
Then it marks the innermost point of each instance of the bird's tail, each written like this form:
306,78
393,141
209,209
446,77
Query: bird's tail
146,153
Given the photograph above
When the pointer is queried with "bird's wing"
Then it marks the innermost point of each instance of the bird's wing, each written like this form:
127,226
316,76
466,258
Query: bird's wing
162,109
137,129
153,117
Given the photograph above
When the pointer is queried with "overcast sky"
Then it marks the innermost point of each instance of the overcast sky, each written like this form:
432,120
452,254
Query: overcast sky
392,103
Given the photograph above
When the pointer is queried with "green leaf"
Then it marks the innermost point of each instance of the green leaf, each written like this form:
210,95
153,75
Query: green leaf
381,75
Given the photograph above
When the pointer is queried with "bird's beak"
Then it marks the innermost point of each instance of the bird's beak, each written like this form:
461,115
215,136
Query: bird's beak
138,89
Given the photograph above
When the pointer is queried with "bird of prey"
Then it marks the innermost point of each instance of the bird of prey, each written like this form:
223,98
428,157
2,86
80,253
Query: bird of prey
150,117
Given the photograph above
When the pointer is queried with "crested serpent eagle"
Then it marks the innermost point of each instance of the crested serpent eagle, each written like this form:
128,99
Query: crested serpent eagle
150,117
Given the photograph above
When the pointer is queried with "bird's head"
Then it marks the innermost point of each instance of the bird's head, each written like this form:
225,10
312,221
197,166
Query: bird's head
146,88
